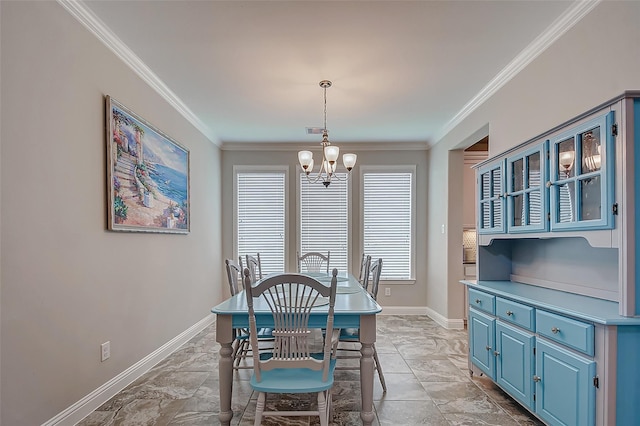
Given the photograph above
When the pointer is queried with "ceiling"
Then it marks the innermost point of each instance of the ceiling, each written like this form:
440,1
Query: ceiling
248,71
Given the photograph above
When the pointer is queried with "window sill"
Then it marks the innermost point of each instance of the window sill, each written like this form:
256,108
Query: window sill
410,281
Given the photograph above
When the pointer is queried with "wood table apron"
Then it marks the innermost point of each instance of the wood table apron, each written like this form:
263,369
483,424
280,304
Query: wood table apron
354,308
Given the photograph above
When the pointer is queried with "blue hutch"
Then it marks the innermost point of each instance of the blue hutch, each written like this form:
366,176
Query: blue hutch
554,316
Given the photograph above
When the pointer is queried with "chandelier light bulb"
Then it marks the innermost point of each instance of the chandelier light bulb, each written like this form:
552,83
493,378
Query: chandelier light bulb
305,158
566,159
349,161
331,153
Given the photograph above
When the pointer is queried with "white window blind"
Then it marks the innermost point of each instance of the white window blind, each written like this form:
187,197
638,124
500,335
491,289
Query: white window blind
324,224
261,218
387,211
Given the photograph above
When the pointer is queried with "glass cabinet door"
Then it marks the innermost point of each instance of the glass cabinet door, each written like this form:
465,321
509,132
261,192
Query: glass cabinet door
491,198
526,198
581,184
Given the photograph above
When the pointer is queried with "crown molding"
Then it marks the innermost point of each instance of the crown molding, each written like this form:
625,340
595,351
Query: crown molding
91,22
578,10
344,147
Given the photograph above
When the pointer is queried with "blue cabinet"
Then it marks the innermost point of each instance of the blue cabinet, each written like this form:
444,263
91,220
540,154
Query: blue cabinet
565,392
582,180
491,198
526,197
482,341
565,183
515,362
531,354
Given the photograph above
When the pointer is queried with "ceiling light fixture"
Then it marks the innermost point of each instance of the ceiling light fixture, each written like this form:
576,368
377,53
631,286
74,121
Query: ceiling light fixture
330,154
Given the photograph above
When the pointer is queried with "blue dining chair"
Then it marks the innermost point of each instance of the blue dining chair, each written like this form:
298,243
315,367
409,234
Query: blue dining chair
255,267
241,346
291,367
352,335
365,267
313,261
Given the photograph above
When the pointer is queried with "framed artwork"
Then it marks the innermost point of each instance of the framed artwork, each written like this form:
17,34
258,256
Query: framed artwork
147,175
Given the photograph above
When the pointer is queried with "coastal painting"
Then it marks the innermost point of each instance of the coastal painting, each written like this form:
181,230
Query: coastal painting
147,175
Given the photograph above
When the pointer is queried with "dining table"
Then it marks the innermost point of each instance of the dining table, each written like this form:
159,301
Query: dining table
354,308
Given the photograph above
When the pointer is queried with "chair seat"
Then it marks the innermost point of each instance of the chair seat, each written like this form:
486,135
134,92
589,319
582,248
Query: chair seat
263,333
350,334
293,380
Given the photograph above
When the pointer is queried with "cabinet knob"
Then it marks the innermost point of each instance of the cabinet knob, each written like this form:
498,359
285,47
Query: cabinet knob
488,348
536,378
549,184
477,301
506,194
496,353
509,313
555,330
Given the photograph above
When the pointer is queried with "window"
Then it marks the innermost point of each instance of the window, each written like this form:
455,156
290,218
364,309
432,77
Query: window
388,223
324,224
260,217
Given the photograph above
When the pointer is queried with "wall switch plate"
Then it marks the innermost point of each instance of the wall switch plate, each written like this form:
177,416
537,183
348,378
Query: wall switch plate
105,351
387,291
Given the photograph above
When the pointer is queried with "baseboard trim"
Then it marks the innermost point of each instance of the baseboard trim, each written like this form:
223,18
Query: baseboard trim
95,399
403,310
451,324
448,323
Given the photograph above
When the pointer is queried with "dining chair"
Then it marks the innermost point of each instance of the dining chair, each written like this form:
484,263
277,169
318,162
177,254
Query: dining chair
314,261
352,335
365,265
255,267
291,367
241,346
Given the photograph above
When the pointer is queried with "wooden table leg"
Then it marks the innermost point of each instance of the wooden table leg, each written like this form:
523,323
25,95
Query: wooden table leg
367,339
224,336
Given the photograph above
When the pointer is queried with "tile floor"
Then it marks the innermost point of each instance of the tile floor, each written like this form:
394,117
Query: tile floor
425,367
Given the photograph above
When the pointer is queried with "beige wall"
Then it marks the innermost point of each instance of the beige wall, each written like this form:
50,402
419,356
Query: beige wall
593,62
412,295
67,284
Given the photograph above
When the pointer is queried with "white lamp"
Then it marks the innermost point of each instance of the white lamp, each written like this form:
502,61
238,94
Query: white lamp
330,153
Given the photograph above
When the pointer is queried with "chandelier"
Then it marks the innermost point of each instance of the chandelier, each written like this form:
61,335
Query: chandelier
330,154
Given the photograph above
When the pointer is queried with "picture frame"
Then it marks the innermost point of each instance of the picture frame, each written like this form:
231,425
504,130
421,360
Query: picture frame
148,175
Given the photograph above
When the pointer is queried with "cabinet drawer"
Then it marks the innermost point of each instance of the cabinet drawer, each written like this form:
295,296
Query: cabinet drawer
572,333
483,301
515,313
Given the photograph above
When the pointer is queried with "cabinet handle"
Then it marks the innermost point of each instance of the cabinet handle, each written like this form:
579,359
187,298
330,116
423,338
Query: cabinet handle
555,330
536,378
488,348
478,301
509,313
506,194
496,353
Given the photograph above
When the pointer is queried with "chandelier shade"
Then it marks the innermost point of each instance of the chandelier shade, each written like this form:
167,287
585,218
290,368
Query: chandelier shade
330,154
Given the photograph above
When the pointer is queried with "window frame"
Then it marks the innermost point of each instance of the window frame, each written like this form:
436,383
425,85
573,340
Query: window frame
349,189
237,169
411,169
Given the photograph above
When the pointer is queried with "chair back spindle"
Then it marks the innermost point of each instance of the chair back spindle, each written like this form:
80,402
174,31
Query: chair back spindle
291,298
233,275
314,261
375,271
365,267
255,268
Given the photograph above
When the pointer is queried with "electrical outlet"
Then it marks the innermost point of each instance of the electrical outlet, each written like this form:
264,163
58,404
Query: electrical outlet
387,291
105,351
